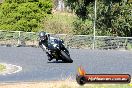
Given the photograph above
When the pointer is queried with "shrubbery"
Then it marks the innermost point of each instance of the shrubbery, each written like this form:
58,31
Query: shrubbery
82,27
24,15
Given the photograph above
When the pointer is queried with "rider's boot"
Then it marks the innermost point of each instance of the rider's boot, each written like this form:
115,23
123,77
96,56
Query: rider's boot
49,56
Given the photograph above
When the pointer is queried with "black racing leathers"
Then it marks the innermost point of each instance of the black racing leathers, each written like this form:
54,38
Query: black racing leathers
44,45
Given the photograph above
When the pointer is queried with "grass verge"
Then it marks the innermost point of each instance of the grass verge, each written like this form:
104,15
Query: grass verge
62,84
2,67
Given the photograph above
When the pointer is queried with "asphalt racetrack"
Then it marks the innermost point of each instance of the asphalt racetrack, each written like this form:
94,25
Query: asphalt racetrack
37,68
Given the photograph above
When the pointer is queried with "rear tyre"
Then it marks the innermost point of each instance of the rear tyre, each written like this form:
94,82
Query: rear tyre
65,57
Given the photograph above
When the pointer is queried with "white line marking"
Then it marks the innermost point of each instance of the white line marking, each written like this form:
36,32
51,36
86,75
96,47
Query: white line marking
10,69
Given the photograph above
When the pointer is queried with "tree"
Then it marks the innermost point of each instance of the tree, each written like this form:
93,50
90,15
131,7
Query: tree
113,16
80,7
82,25
24,15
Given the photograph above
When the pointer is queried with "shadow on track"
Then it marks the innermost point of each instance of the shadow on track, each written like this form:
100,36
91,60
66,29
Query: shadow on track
56,62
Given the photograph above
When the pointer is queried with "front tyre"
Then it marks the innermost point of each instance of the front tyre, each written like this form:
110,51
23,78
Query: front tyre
65,57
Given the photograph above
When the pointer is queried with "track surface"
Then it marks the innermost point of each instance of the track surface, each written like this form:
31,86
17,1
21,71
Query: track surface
37,68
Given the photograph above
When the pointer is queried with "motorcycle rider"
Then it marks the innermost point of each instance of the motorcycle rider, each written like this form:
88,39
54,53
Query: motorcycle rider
43,43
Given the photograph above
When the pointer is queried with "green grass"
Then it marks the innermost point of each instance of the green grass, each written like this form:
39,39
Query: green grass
2,67
129,46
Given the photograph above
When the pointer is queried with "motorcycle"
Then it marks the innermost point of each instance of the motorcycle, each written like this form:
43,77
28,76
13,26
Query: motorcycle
57,50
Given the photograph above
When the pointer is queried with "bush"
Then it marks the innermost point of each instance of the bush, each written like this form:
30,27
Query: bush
83,27
24,15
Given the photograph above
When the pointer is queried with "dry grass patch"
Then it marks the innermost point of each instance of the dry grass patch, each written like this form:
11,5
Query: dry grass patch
61,84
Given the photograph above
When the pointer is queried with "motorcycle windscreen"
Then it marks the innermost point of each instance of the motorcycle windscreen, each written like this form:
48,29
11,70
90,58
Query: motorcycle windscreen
51,44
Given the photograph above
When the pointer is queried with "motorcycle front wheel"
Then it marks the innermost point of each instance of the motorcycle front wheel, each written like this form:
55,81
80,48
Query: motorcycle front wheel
65,57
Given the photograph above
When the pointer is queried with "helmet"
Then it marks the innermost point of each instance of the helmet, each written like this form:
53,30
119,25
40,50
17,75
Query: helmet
42,34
